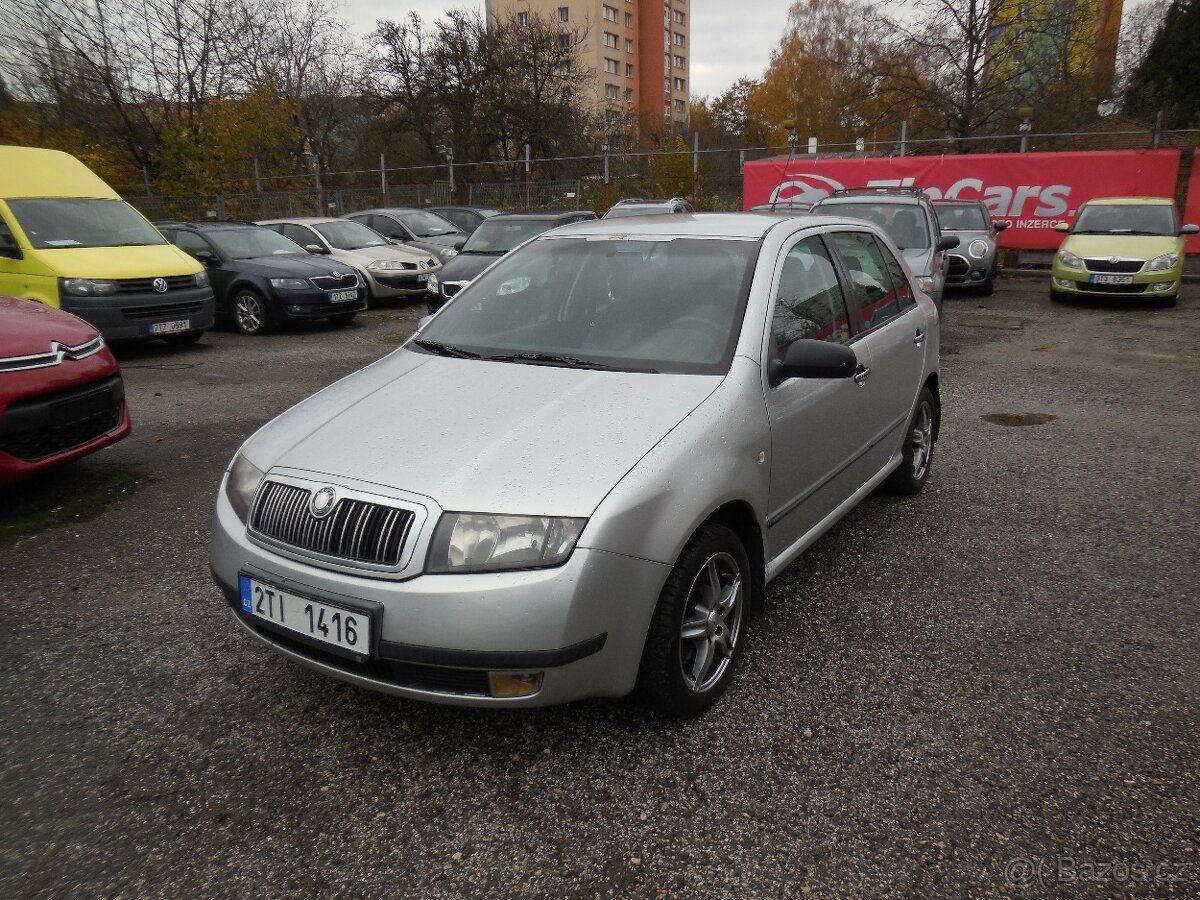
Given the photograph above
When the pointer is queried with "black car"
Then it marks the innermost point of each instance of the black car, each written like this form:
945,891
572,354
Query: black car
418,227
261,279
465,218
493,239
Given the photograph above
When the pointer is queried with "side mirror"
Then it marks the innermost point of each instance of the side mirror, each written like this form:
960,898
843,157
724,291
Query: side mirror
1063,226
206,256
425,320
948,242
316,248
1190,229
814,359
1001,226
458,245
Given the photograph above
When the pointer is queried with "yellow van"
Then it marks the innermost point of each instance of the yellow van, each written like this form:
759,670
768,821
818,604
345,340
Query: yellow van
68,240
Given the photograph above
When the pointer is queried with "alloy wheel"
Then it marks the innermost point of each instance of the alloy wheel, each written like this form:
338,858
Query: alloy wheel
712,622
921,440
249,311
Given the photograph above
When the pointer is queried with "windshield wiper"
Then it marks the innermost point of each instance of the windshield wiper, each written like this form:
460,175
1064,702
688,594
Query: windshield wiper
448,350
549,359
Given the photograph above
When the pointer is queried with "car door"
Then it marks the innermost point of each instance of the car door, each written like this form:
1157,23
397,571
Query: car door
219,274
302,235
891,333
391,228
817,433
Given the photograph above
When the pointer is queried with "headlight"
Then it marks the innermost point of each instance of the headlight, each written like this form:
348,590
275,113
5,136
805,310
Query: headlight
241,484
480,542
447,252
978,249
385,265
86,287
1069,259
289,284
201,279
432,283
1166,261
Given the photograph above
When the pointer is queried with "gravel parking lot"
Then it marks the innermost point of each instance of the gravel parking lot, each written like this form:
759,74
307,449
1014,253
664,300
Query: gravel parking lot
991,688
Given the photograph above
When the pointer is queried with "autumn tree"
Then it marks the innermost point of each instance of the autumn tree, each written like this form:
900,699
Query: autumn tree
1166,78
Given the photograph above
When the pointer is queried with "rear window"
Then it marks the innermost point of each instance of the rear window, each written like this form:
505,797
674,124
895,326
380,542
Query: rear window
903,223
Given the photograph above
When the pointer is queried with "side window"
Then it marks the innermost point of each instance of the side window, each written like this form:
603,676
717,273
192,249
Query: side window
899,280
389,228
869,278
192,243
298,233
809,302
6,235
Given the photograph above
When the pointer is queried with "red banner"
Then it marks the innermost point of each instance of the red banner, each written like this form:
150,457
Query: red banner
1033,192
1191,209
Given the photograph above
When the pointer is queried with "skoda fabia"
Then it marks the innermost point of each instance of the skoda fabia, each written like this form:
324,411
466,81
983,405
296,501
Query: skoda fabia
579,477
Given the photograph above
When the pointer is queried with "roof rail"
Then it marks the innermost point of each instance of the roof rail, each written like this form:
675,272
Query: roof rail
629,200
844,192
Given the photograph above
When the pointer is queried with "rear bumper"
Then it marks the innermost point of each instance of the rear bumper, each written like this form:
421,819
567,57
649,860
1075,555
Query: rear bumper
128,317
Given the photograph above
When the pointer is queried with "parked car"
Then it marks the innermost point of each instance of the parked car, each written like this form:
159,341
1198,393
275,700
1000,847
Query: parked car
387,269
491,240
596,458
263,280
975,263
465,218
68,240
636,206
1122,247
61,393
907,215
417,227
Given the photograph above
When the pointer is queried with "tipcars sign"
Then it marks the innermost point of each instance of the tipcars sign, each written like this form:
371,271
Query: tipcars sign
1033,192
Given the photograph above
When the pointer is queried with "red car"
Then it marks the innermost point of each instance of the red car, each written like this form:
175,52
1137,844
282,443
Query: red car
61,393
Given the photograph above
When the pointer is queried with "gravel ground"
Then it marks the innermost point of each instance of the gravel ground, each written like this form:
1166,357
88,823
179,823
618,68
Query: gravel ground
995,684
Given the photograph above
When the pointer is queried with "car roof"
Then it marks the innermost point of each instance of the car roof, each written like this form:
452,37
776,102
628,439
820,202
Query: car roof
386,209
955,201
300,220
882,197
1124,201
540,216
728,225
204,226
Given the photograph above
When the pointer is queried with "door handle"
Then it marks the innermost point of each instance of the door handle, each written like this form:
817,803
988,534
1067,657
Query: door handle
860,375
919,337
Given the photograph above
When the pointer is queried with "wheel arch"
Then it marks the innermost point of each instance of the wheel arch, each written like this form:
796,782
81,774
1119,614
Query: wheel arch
932,382
738,516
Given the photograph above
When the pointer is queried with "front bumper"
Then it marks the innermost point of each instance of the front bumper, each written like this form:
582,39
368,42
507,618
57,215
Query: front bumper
315,304
398,283
582,624
127,317
962,271
1078,282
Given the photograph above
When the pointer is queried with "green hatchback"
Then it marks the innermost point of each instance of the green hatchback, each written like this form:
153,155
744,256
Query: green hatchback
1122,247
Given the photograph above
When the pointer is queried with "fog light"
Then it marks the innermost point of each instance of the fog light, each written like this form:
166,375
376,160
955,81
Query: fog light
515,684
1062,282
1163,285
297,309
978,274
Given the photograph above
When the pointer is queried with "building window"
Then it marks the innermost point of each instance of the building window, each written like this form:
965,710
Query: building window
611,91
681,107
666,63
628,20
611,66
610,40
680,84
666,40
678,39
628,95
628,45
680,62
628,70
564,14
666,85
679,17
522,19
564,41
610,14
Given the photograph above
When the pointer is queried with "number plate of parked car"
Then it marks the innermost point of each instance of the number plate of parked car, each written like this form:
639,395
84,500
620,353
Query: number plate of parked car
171,327
1112,279
303,615
342,296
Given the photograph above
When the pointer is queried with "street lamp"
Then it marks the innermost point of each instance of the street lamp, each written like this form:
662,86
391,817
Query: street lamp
1026,114
448,152
793,138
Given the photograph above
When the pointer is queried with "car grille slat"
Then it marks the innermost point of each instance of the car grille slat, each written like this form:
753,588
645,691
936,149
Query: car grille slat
356,530
146,285
329,283
161,310
956,266
1121,266
1112,288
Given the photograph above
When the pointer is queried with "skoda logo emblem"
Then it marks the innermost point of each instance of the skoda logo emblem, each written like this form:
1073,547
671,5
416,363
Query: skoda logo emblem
1114,259
160,285
323,502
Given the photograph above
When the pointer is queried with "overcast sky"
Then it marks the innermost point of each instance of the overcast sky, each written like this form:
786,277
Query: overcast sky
730,38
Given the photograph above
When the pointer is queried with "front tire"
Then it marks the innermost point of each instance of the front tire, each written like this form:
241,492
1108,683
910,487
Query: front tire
988,287
698,629
250,315
919,440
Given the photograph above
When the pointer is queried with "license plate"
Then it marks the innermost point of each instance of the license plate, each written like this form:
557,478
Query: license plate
350,630
171,327
421,279
1112,279
342,296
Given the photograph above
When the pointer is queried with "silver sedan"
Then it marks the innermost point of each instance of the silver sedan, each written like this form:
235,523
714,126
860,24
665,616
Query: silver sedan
580,475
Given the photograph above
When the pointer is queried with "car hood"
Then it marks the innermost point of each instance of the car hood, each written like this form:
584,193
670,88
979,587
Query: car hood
27,327
118,262
367,255
965,238
297,266
440,240
466,266
1137,246
481,436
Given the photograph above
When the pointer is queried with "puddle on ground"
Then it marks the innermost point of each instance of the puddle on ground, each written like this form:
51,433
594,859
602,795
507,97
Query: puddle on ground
1014,420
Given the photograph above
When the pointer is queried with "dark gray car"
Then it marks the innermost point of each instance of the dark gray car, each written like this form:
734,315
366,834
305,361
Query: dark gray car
974,262
416,227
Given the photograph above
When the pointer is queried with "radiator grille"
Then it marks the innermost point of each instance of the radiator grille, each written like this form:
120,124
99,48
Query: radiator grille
1111,288
163,310
146,285
956,267
355,530
1120,267
329,283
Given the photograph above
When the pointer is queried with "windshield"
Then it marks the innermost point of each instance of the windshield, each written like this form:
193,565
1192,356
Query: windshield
1126,219
620,212
960,218
52,223
904,224
501,235
427,224
248,243
664,305
348,235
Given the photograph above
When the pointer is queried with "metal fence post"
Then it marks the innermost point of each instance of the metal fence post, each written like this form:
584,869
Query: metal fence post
220,206
1158,126
903,135
383,180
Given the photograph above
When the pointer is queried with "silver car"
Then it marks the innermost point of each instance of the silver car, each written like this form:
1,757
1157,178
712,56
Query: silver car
581,474
973,264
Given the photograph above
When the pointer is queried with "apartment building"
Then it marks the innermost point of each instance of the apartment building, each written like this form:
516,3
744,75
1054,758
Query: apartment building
638,50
